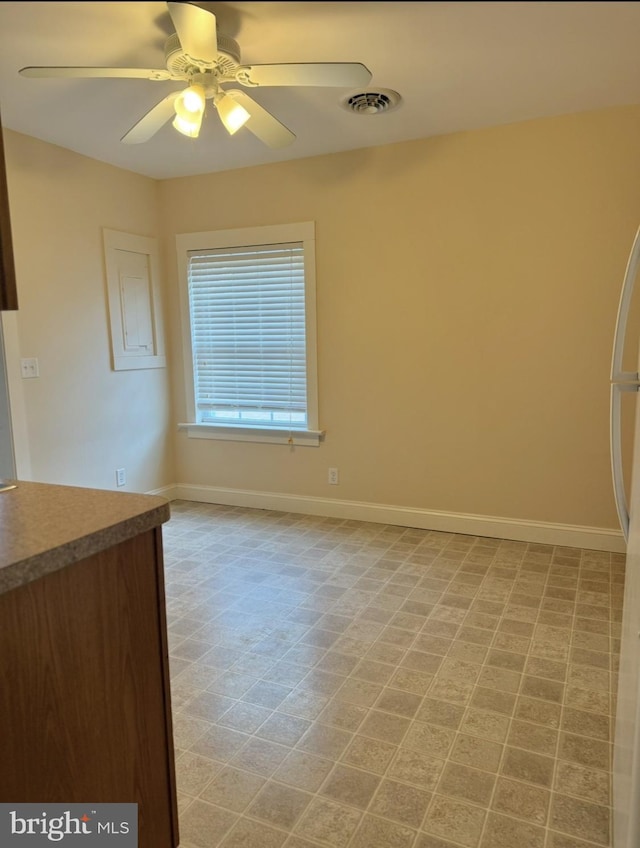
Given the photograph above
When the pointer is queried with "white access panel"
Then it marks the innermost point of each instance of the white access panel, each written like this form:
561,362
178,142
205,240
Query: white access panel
134,301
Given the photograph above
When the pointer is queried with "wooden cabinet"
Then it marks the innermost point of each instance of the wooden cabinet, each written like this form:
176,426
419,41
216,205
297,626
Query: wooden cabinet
84,699
8,288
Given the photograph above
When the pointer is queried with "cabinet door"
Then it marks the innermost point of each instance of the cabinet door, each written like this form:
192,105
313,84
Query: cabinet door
8,288
84,702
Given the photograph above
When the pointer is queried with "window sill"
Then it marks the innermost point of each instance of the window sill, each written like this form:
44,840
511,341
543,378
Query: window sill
308,438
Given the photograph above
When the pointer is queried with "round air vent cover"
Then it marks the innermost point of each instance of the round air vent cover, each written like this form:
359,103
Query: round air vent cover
372,102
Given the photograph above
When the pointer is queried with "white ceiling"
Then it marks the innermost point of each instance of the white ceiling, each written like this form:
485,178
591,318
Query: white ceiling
457,65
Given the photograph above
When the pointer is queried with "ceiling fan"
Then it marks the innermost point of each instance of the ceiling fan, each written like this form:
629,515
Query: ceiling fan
206,60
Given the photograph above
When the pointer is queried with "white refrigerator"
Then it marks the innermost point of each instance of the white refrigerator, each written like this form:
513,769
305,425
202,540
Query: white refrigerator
624,394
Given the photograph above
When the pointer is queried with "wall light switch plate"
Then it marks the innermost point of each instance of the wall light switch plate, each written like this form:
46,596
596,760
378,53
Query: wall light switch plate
29,368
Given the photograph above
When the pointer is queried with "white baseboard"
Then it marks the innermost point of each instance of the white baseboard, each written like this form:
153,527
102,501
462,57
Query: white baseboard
168,492
591,538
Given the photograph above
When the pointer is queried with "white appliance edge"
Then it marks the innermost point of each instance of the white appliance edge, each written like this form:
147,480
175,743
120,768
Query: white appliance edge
626,749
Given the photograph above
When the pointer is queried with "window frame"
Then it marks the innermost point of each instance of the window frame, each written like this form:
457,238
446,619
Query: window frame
303,232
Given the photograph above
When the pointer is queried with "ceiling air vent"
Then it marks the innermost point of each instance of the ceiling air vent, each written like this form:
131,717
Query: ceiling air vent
372,102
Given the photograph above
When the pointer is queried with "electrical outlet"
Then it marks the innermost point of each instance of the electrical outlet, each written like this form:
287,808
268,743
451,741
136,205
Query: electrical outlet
121,477
333,476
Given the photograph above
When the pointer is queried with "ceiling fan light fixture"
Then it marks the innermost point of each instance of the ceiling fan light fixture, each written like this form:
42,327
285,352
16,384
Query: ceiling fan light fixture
232,114
190,128
193,99
189,106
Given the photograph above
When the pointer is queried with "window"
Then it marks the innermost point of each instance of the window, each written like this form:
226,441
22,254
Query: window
248,302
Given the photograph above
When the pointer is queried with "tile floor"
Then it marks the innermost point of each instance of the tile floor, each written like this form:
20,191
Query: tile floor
346,684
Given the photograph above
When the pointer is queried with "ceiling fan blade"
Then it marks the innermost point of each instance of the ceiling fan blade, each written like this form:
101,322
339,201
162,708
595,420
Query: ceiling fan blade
196,31
262,123
343,74
154,120
40,72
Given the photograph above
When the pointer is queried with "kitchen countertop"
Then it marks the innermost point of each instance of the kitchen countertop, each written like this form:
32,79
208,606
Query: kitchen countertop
45,527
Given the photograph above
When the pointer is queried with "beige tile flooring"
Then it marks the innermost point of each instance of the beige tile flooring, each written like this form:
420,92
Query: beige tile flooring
340,683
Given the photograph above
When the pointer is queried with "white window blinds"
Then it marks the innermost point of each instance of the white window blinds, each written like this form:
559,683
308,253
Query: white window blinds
247,310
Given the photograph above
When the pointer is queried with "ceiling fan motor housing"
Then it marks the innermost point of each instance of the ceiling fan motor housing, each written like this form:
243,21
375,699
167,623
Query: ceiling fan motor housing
181,64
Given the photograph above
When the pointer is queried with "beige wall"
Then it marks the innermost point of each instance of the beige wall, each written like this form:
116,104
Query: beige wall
467,293
83,420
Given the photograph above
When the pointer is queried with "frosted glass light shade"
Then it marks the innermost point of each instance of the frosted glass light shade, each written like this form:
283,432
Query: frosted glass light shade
232,114
189,108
